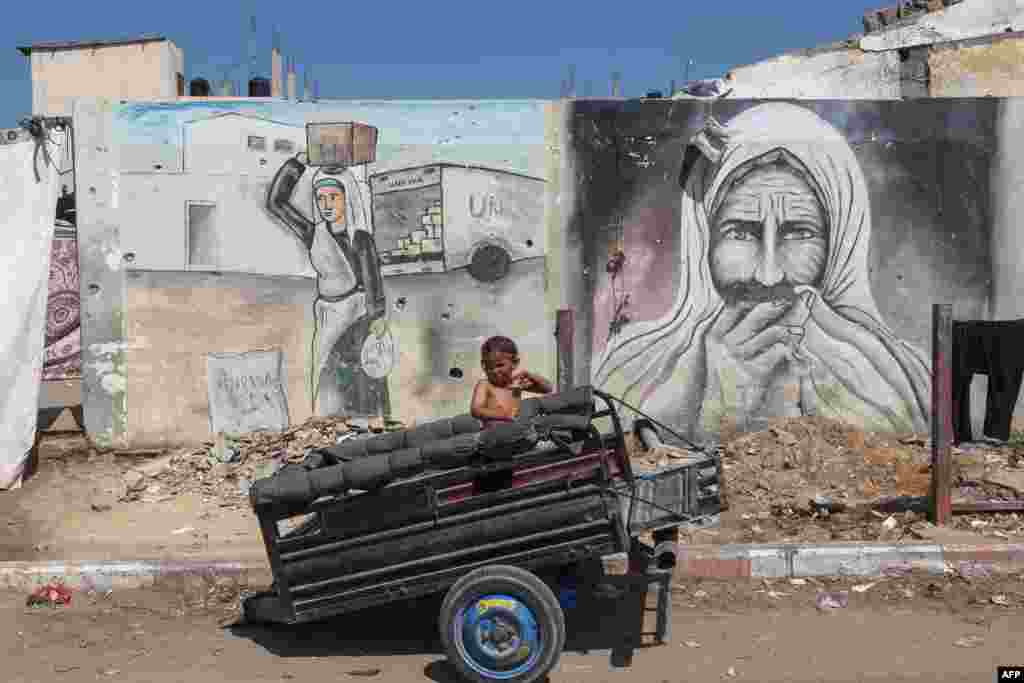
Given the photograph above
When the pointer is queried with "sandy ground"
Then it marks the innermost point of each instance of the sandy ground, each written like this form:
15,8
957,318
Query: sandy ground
737,631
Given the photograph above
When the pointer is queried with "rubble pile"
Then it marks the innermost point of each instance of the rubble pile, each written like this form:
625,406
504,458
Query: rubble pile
226,467
818,480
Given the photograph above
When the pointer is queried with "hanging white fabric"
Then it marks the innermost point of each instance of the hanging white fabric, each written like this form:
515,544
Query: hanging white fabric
29,184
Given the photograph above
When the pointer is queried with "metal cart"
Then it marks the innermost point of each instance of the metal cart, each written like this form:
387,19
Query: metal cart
492,525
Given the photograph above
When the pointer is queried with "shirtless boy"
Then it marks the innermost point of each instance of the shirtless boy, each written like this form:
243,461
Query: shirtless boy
497,398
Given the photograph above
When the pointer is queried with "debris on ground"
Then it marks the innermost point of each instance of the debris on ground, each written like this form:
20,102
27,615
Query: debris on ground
990,596
835,600
819,480
969,641
52,594
225,467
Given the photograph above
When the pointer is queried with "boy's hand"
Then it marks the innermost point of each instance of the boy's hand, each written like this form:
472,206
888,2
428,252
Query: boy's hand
521,380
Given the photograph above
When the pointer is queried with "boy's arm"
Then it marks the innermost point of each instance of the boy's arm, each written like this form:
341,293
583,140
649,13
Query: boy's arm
535,384
541,384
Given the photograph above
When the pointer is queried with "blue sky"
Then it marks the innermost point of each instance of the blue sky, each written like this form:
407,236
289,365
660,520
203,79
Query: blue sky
448,49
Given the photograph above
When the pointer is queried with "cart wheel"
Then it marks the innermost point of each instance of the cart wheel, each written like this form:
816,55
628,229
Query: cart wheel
502,623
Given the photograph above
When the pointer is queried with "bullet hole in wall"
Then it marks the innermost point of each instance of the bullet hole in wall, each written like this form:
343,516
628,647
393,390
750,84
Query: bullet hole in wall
529,244
400,303
899,277
158,167
446,316
455,373
94,289
92,190
129,257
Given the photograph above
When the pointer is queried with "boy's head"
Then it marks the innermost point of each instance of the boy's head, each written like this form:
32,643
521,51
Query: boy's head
499,358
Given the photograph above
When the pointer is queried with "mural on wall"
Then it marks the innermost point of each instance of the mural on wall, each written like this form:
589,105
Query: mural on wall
417,228
349,309
769,310
63,355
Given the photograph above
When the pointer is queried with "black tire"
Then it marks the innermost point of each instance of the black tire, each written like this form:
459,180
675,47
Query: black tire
528,589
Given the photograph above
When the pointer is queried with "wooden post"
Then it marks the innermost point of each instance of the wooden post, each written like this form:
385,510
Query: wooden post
564,327
940,505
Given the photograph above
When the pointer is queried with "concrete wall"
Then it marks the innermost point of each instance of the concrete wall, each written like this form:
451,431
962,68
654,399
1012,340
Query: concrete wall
183,259
143,71
970,48
897,215
988,67
840,72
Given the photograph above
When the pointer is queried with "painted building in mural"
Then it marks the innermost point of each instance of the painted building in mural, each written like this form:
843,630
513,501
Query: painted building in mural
767,259
268,279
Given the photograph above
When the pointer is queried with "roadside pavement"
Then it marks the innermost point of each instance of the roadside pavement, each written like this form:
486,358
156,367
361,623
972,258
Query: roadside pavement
152,636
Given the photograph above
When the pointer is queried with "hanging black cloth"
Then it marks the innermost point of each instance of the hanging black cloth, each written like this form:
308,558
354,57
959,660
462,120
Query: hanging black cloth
987,347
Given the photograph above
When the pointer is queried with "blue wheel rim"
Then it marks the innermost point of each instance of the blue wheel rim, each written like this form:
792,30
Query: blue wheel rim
497,636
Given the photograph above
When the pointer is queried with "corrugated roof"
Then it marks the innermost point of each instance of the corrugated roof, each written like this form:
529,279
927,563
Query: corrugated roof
82,44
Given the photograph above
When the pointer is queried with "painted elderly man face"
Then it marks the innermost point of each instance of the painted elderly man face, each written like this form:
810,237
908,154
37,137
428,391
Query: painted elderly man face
768,235
331,203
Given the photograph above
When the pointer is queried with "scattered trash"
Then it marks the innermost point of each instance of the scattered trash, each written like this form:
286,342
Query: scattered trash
969,641
731,672
183,530
101,507
700,594
798,582
825,504
1000,600
833,600
775,595
974,570
364,672
864,587
890,523
224,449
693,644
52,594
134,484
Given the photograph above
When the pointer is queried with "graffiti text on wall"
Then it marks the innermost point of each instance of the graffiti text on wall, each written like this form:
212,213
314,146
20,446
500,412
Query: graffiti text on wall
246,392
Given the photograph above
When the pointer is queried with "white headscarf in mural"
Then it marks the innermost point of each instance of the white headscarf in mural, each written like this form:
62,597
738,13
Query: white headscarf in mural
860,371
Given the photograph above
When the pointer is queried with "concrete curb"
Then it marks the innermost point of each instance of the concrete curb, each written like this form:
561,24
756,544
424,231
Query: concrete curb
846,559
719,562
105,576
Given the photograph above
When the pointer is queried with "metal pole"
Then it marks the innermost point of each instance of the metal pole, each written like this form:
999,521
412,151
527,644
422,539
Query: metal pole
940,503
564,328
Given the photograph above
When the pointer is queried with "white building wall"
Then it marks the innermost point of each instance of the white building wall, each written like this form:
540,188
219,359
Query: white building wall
221,145
242,237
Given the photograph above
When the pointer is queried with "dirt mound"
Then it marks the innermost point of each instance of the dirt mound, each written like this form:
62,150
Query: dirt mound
815,479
